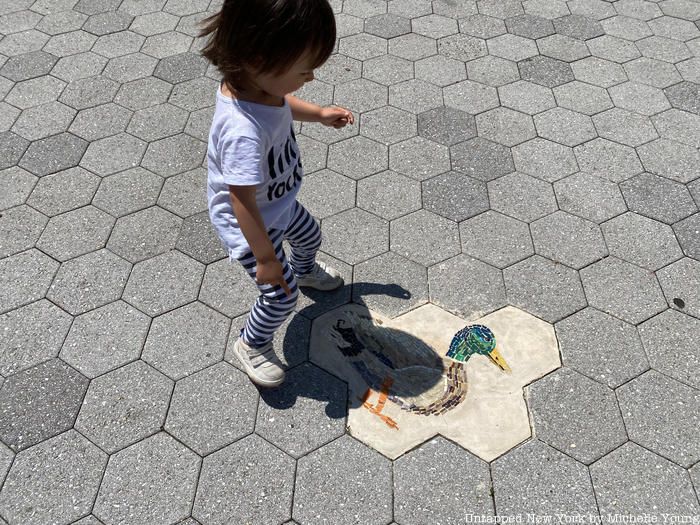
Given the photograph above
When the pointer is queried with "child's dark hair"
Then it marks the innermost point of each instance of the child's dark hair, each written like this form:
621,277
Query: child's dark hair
270,35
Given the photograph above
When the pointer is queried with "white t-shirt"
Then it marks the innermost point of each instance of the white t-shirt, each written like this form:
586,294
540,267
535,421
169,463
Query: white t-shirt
251,144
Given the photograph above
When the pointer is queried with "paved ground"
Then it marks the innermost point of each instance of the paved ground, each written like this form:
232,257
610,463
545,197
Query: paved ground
542,154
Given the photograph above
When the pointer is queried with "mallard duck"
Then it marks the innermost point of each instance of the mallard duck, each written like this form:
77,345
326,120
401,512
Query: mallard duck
405,370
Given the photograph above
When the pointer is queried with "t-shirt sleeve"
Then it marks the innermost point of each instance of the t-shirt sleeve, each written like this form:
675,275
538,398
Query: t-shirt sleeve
242,160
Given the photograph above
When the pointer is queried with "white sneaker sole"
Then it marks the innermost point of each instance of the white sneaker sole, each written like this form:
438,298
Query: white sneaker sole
251,373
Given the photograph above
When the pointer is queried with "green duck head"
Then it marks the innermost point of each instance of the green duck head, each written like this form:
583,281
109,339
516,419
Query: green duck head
476,339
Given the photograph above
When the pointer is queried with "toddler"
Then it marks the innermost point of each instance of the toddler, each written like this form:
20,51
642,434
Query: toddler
265,50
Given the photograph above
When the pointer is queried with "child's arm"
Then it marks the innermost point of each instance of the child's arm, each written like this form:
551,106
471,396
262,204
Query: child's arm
308,112
269,269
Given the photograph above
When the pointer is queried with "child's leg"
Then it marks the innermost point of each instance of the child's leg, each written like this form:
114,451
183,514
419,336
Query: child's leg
304,236
273,306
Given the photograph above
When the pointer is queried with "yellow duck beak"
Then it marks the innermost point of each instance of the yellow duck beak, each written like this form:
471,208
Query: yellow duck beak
498,360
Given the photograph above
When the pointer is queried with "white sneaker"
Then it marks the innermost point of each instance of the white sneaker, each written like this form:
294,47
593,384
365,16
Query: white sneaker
261,364
322,277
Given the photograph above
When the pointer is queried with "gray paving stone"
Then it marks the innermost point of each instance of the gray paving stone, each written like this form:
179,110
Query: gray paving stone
657,197
509,239
568,239
339,69
595,9
247,481
685,95
347,25
82,65
70,470
42,121
512,47
499,8
661,414
544,288
470,97
387,69
182,8
623,290
89,281
39,403
317,92
72,43
544,159
482,159
148,24
129,191
388,125
679,125
550,9
118,44
199,121
124,406
649,494
388,194
76,233
690,69
17,184
446,125
20,228
466,286
410,8
613,357
536,478
560,47
644,99
614,49
599,72
360,95
454,9
670,159
492,71
638,9
194,94
530,26
679,280
624,126
440,70
180,68
415,96
18,21
434,26
326,134
113,154
626,27
166,44
582,98
576,415
30,65
364,8
163,283
185,194
186,340
418,474
482,26
355,235
675,28
505,126
419,158
32,334
527,97
173,155
152,481
669,339
462,47
8,116
89,92
641,241
326,193
652,72
663,49
608,160
101,121
105,338
521,196
306,412
342,475
455,196
357,157
680,9
686,233
579,27
22,42
228,288
362,46
564,126
25,278
58,22
545,71
424,237
53,154
93,8
13,147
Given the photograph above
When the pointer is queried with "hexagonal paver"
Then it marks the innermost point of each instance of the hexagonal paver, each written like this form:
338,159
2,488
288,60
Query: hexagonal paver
163,282
386,25
527,97
545,71
564,48
185,193
582,98
64,191
483,26
590,197
415,96
388,125
678,125
13,147
613,357
113,154
42,121
684,95
146,233
35,91
387,69
326,193
536,478
544,159
24,278
568,239
529,26
388,194
492,71
360,95
89,92
362,46
124,406
157,122
576,415
658,198
663,49
343,475
564,126
412,46
194,337
71,469
651,491
28,65
440,70
670,159
76,233
20,228
52,154
128,191
357,157
609,160
90,346
355,235
521,196
199,240
419,158
482,159
661,414
180,68
418,474
644,99
455,196
173,155
151,481
599,72
32,334
446,125
18,184
623,290
505,126
39,403
339,69
679,281
686,233
641,241
512,47
652,72
624,126
246,481
470,97
508,239
424,237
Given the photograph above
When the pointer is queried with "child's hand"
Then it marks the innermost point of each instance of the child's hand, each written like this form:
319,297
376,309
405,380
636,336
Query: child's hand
336,117
272,273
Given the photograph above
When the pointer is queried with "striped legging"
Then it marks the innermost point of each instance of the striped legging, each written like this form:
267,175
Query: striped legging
273,306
